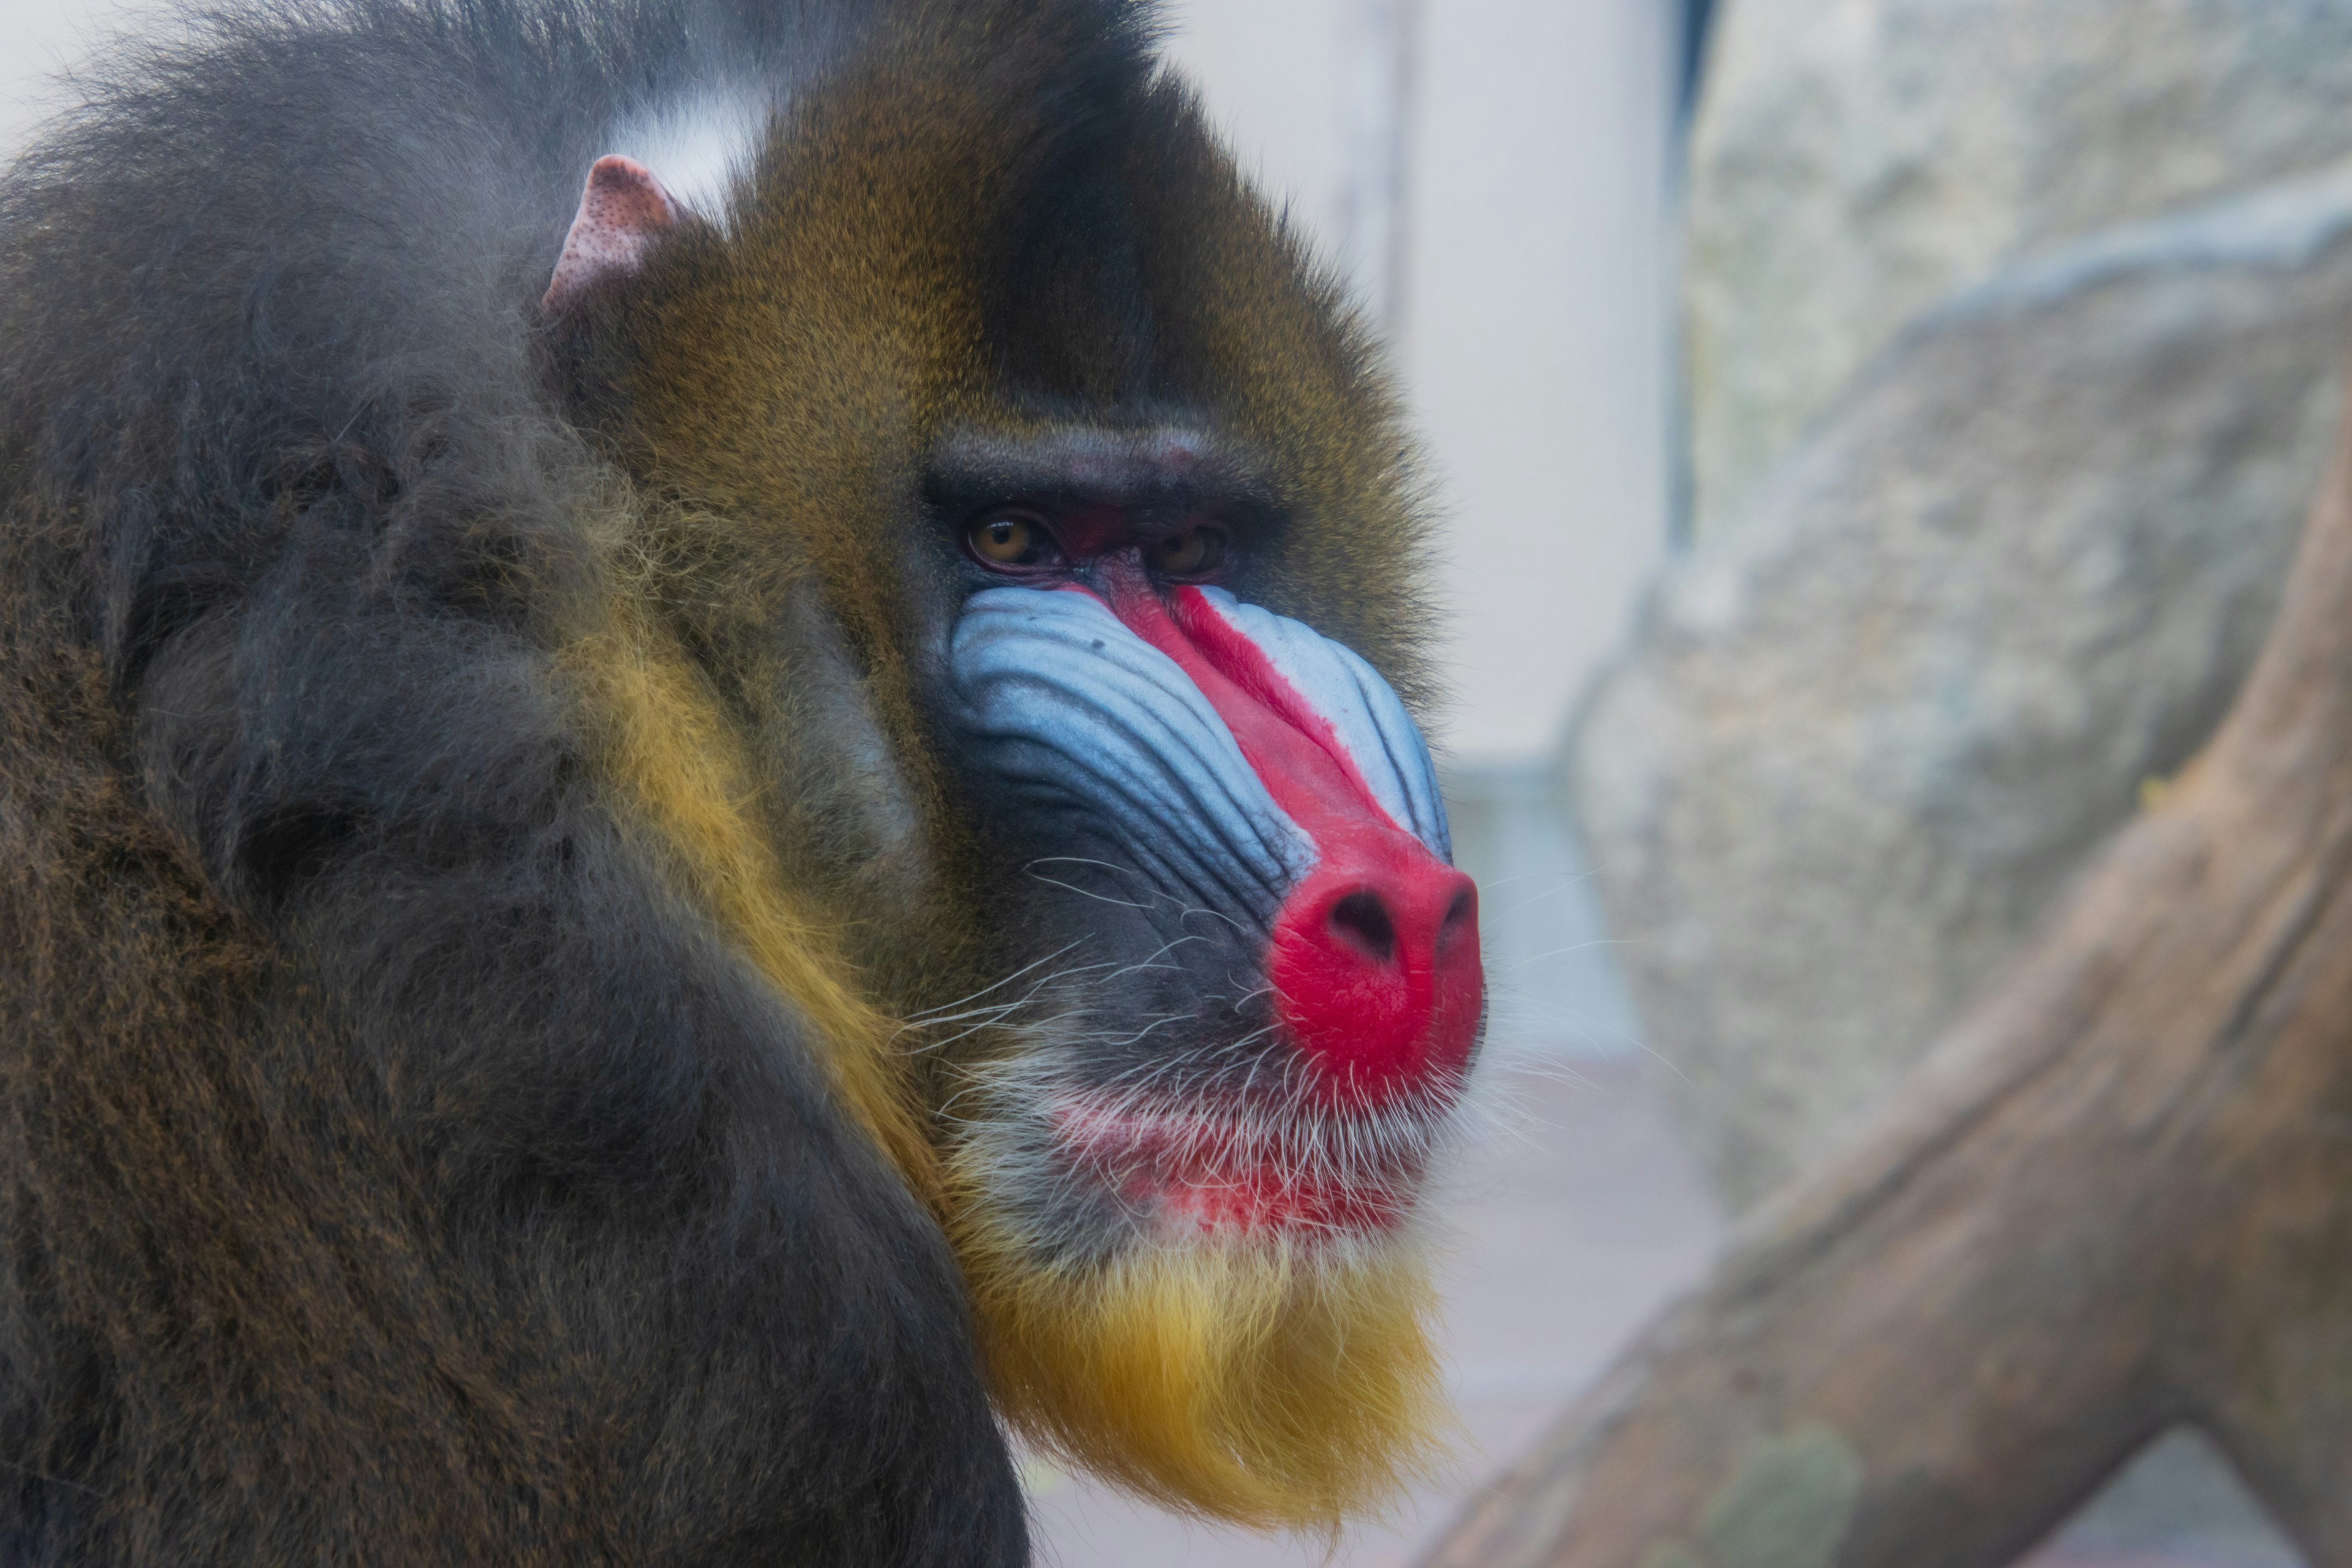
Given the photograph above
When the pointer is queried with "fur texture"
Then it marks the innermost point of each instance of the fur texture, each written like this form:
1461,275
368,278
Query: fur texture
484,882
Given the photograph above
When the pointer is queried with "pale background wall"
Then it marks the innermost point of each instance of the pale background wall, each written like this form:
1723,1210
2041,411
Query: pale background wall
1533,334
38,39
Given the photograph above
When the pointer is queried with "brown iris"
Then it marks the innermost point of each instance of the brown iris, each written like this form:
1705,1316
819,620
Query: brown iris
1008,538
1190,553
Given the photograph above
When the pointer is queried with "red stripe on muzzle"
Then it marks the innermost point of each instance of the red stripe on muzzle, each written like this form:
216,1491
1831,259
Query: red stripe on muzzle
1374,956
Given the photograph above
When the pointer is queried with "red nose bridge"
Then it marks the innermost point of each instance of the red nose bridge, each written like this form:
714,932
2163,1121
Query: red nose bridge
1374,958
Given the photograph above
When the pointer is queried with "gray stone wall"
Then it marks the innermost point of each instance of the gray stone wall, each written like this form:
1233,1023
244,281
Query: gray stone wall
1855,161
1863,743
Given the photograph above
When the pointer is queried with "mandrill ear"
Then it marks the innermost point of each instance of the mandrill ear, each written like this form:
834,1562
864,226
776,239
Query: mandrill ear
622,212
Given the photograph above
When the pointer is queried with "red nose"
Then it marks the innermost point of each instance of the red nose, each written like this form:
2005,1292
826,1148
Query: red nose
1374,956
1375,967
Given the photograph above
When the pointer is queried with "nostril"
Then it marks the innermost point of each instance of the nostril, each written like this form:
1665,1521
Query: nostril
1459,917
1374,965
1363,920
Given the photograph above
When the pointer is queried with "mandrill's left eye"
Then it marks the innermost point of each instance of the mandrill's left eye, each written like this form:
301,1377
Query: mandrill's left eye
1010,540
1190,553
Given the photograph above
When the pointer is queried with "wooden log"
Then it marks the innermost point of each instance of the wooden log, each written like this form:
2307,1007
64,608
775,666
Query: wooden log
2117,1196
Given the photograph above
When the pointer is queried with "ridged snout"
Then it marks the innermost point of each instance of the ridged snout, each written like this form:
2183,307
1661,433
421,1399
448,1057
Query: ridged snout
1241,762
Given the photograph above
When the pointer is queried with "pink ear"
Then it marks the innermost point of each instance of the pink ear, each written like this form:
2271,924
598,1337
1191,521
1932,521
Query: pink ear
622,211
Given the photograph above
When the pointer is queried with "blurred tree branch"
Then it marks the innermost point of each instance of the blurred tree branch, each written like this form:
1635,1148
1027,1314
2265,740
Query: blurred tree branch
2118,1197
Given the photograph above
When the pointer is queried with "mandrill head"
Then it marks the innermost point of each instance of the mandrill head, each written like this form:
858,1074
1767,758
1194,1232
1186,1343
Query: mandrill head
1020,572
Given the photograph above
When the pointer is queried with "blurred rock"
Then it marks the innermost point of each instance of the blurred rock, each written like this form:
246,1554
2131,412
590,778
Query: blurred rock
1856,159
1863,743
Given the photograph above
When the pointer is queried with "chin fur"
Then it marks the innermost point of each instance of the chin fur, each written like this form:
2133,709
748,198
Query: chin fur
1273,1373
1268,1381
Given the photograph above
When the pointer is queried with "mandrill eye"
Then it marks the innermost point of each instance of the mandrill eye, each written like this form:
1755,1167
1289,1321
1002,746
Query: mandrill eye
1010,539
1188,554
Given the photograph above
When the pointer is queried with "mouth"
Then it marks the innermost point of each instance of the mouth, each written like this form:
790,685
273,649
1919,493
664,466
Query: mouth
1196,1170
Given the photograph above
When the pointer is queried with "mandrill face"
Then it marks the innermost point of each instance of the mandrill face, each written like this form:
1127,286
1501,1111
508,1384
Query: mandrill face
1038,566
1250,984
1239,988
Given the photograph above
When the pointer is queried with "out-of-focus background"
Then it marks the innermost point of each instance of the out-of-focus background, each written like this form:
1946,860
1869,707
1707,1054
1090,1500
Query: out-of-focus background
1872,432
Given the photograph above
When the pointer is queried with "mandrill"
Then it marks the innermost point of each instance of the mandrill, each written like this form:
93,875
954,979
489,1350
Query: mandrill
703,799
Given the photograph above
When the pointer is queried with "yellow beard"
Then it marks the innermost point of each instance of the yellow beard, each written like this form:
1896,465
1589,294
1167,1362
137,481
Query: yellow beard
1265,1382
